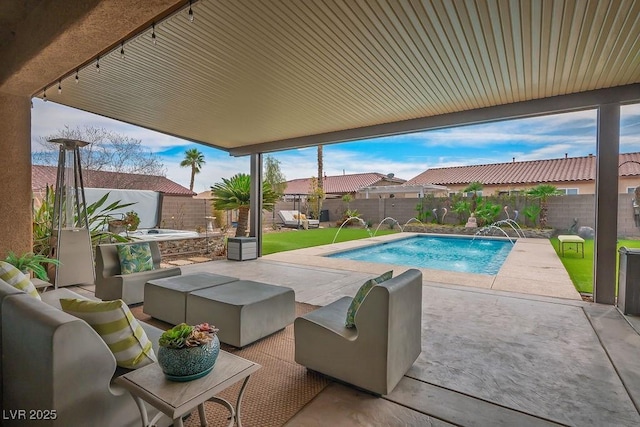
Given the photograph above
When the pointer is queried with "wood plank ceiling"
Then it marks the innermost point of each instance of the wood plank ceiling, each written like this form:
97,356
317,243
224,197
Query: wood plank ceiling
247,72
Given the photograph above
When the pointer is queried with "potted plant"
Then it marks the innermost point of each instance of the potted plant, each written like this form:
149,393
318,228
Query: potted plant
188,352
30,262
131,220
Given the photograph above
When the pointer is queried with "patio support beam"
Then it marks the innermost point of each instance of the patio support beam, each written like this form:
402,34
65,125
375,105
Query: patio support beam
255,212
517,110
606,225
15,175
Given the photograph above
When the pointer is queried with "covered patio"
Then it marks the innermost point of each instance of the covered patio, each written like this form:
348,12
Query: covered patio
251,77
309,73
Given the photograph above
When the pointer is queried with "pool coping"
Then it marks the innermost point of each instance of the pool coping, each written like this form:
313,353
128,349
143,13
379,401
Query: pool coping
532,266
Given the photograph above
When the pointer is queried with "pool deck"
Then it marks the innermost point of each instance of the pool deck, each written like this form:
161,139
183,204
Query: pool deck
532,267
516,349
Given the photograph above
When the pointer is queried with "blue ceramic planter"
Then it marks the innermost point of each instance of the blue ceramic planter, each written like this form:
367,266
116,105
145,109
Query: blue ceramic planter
190,363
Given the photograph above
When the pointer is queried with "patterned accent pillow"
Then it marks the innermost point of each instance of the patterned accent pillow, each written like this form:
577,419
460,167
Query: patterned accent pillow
114,322
360,296
17,279
135,257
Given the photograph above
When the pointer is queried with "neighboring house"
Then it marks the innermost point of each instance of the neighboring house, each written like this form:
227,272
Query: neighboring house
573,175
41,176
174,205
340,185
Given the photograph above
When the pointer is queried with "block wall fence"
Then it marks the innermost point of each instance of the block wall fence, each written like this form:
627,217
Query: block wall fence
188,213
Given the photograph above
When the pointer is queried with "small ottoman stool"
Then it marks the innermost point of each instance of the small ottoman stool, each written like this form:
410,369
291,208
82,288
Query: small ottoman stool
166,299
244,311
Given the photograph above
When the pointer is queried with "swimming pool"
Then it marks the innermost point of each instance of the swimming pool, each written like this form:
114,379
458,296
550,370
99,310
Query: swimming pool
463,254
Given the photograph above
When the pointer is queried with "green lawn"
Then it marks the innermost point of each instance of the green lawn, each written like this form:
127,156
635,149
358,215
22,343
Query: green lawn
581,270
297,239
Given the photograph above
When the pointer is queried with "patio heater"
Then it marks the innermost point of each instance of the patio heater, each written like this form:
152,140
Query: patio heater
71,239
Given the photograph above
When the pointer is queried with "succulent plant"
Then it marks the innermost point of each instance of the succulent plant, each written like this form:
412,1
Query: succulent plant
183,335
205,327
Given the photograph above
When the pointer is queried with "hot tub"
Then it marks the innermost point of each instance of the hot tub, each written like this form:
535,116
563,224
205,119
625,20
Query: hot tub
161,234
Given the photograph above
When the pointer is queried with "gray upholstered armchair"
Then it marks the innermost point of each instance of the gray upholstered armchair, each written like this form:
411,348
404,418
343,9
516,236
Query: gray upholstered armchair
380,349
111,284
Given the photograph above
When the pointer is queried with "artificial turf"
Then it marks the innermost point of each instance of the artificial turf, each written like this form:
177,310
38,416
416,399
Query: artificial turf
581,269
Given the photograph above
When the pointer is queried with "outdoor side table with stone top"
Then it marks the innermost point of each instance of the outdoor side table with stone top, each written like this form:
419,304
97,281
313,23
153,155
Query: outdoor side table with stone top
244,311
166,299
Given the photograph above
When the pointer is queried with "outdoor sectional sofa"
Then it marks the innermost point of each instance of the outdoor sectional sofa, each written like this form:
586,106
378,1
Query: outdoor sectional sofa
53,361
112,285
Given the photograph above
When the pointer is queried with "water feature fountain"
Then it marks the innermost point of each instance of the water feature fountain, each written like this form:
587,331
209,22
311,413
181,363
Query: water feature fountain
513,224
486,229
348,221
411,219
395,222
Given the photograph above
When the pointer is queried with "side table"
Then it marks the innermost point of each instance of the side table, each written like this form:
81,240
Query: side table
40,284
176,399
568,239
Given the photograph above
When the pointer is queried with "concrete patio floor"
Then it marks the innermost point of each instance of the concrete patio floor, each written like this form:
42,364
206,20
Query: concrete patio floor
493,353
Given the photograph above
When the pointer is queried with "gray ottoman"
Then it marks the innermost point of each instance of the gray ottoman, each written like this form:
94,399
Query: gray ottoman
244,311
166,299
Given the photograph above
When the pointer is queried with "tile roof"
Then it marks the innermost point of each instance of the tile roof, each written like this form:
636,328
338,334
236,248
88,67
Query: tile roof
341,184
535,171
42,176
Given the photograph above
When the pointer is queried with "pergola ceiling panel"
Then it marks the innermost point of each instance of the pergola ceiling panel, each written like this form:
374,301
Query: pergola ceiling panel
247,72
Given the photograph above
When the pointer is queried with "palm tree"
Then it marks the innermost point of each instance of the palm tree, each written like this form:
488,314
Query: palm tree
194,159
475,187
542,192
320,168
234,193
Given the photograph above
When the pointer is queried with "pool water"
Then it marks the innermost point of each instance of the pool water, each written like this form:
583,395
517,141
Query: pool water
468,255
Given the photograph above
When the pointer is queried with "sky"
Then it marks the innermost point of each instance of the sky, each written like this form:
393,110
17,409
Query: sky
405,156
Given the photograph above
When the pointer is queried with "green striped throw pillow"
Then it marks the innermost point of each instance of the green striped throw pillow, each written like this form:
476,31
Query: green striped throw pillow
17,279
113,321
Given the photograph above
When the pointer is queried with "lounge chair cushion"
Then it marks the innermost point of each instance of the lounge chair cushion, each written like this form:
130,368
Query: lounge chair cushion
115,324
360,296
17,279
135,258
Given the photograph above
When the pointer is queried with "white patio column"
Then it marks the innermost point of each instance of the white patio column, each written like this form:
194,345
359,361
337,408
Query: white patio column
255,213
606,230
15,175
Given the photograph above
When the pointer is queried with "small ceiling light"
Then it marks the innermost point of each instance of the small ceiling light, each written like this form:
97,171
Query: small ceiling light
122,50
44,97
59,86
190,12
77,76
153,33
98,64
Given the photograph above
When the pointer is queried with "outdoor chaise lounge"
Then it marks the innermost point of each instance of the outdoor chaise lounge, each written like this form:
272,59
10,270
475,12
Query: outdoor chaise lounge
384,344
297,220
